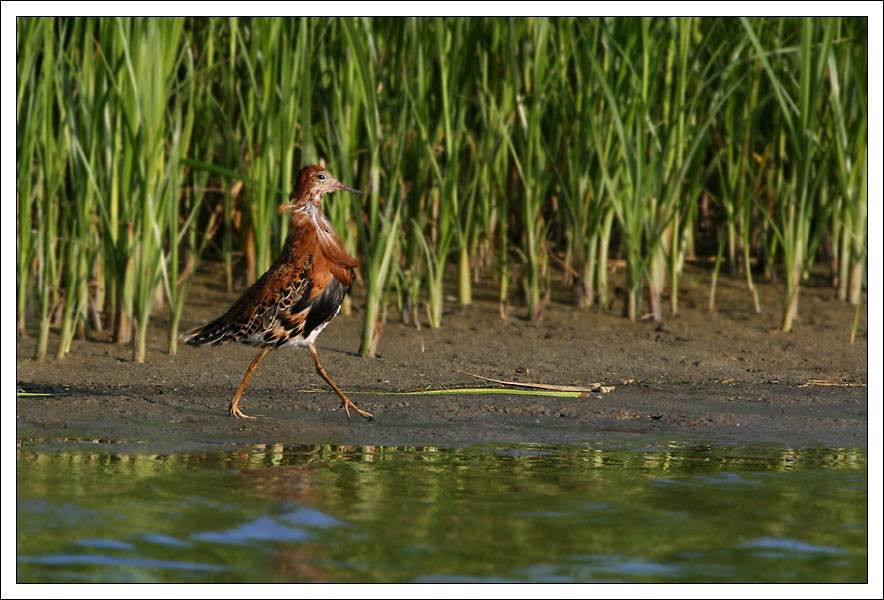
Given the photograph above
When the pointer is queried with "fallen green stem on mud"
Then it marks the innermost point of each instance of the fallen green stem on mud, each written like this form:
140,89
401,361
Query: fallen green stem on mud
470,391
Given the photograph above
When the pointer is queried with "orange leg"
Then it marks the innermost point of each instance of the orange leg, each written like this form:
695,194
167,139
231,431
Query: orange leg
345,401
233,409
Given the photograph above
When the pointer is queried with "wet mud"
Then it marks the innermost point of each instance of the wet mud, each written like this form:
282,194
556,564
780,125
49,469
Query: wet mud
720,377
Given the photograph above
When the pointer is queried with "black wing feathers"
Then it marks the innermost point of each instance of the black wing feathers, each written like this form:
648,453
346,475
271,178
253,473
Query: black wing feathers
324,306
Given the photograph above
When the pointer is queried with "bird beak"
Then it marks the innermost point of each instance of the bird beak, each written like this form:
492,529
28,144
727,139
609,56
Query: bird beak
284,208
342,187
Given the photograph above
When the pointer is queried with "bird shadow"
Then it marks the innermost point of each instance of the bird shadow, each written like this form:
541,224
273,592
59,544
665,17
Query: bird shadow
27,389
339,351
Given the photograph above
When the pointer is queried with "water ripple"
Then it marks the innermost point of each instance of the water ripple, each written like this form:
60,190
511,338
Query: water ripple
97,559
263,529
789,545
106,544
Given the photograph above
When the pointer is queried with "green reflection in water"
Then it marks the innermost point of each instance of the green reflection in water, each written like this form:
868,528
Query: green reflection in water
523,513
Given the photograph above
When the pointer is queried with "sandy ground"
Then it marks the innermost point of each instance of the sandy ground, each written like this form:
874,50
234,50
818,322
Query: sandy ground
710,378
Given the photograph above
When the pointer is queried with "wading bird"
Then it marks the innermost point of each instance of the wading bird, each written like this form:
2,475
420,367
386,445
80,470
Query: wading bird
299,295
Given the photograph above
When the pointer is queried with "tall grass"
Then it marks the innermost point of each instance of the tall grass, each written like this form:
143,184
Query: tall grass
507,148
380,226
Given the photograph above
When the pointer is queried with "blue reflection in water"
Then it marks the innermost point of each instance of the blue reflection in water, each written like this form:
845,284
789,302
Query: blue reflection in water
165,540
105,544
264,528
788,547
96,559
309,517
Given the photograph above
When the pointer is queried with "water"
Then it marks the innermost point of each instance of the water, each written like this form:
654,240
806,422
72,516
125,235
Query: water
663,512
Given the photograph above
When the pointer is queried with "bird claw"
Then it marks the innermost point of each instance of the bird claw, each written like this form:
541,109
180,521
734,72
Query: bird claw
234,411
346,404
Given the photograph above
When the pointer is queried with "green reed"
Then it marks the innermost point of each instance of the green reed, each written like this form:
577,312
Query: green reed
28,115
493,160
740,168
487,147
379,227
847,73
46,168
800,108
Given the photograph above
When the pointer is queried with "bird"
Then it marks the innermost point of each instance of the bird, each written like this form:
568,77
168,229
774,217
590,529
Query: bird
299,295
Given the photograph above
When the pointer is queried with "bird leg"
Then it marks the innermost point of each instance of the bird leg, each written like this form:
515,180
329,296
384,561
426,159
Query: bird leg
345,401
233,409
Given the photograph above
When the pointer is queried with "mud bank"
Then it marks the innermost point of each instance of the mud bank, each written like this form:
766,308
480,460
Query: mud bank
713,378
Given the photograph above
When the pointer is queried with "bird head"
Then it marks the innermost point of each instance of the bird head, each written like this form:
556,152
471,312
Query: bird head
312,182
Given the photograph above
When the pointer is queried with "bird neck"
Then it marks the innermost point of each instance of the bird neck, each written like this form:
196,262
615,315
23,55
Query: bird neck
305,199
309,214
308,223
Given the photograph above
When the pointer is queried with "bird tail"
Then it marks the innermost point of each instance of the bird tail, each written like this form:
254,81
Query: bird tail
211,334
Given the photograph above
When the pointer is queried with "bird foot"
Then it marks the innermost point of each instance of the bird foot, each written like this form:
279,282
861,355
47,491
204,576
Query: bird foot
236,412
347,405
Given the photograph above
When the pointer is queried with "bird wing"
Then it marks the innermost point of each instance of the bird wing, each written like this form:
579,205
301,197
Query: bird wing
258,310
302,290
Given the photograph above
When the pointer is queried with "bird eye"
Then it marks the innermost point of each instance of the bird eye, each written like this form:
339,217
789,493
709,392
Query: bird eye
321,177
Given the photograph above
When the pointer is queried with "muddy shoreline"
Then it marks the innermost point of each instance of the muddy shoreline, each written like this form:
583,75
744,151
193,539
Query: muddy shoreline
719,378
